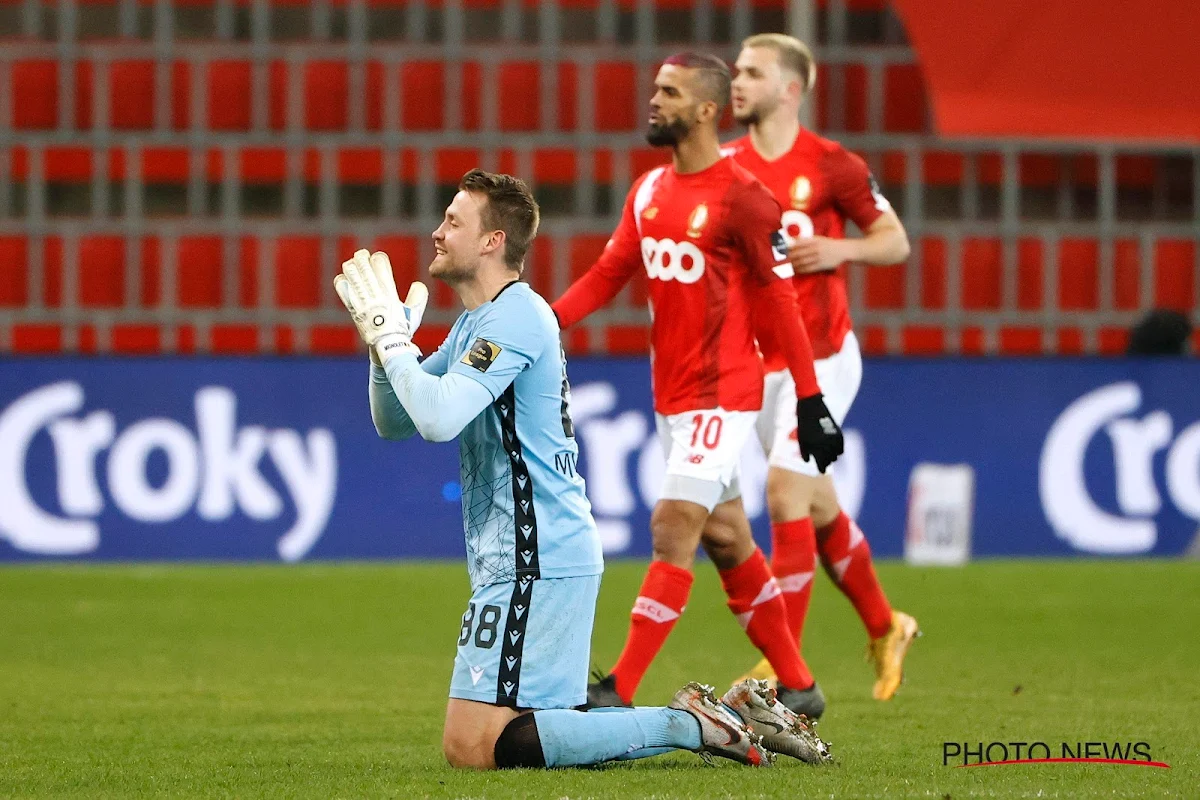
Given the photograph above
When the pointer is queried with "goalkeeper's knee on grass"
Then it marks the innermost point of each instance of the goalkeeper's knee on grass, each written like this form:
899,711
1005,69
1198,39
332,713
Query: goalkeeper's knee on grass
519,745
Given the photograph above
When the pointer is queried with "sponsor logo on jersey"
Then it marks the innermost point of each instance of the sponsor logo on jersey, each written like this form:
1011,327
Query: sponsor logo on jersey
481,355
697,221
800,193
668,260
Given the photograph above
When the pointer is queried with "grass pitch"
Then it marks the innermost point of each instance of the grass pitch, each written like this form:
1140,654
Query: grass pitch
330,681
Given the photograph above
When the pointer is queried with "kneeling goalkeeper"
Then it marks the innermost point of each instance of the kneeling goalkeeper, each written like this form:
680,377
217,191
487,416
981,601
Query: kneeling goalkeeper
498,383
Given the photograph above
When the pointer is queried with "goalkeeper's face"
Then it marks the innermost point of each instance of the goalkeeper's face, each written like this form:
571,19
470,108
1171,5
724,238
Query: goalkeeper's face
460,241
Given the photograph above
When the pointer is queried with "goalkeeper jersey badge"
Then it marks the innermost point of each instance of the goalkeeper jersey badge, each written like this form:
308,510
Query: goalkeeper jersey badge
481,355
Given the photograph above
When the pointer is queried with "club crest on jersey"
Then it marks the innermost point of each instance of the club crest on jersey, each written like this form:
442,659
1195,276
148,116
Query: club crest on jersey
697,221
650,213
481,355
800,193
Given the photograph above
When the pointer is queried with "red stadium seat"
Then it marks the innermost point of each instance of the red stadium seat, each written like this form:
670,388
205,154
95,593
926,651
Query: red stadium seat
102,271
1039,170
298,272
905,107
228,95
1078,275
923,340
326,87
423,89
885,287
933,275
519,93
14,271
1175,266
1029,274
616,97
1021,341
136,339
942,169
1127,284
131,87
200,261
37,338
982,268
34,94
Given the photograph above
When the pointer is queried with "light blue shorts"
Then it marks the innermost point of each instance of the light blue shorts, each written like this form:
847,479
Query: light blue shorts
527,644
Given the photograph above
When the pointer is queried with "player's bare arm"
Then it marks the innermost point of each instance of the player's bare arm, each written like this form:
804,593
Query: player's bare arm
885,242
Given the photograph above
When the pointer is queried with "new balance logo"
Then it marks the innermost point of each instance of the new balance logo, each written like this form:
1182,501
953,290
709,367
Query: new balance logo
654,610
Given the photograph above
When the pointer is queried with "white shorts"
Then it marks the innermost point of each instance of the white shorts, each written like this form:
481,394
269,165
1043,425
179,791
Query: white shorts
703,449
839,377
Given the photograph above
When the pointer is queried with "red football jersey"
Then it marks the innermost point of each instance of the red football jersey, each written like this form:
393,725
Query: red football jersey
709,242
819,184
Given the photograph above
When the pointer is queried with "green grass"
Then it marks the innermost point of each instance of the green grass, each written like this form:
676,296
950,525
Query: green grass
330,681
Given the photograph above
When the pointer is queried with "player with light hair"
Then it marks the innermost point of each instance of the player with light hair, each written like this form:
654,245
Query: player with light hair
498,383
819,185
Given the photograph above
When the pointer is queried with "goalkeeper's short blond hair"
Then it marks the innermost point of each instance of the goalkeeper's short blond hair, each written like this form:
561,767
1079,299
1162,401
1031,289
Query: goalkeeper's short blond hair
792,53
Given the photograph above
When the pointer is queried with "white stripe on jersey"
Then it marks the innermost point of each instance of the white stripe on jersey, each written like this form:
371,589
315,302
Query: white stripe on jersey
644,193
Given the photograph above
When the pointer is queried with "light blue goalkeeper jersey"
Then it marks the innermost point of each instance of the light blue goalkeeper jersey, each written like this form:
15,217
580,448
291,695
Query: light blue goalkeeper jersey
524,507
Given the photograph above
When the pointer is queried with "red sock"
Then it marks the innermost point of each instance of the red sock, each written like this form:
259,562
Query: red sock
755,600
793,560
662,599
847,560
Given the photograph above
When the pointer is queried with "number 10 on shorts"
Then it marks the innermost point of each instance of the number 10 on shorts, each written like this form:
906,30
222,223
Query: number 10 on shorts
707,432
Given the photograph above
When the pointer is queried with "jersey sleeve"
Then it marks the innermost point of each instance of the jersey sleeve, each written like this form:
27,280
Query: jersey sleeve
621,258
754,219
855,192
507,342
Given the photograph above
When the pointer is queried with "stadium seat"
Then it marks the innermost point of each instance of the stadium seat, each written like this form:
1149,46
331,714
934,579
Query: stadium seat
135,339
14,271
102,271
131,87
905,108
1175,266
1112,341
1020,341
228,95
297,272
34,94
616,97
1039,170
885,287
423,92
326,87
982,268
922,340
199,272
1069,342
1029,274
933,275
1127,285
1078,275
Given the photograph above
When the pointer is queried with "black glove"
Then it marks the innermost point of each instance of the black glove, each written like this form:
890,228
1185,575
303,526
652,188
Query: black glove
817,432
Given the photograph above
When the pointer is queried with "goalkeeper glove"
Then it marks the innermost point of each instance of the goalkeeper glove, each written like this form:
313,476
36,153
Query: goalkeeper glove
368,290
817,433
